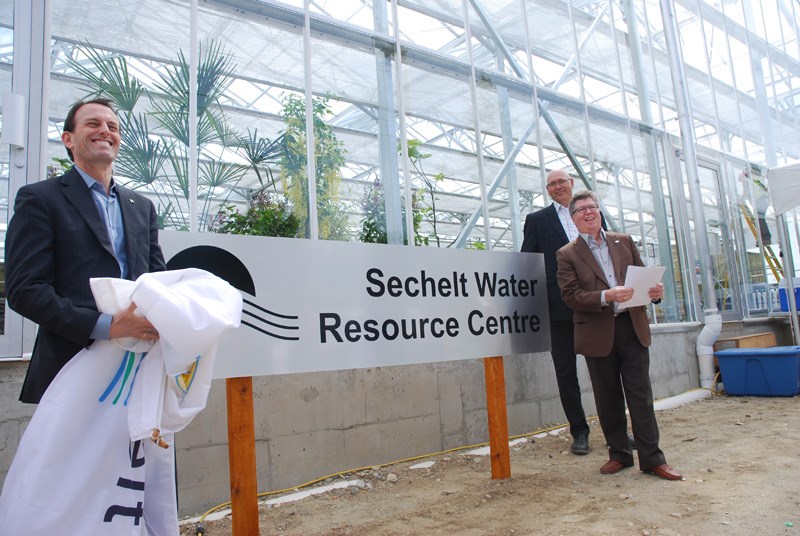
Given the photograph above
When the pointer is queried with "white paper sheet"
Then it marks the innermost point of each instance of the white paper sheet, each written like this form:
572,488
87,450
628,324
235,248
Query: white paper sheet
641,279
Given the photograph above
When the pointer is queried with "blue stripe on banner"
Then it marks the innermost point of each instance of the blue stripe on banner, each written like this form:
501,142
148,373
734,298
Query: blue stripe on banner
131,357
117,376
135,373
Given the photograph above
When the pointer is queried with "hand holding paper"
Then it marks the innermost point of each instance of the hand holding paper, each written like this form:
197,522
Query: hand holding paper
641,279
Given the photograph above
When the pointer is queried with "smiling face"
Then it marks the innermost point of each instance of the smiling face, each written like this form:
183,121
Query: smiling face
586,215
94,140
559,186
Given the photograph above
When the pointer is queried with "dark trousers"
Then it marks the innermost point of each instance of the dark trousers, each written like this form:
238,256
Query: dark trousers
562,340
624,375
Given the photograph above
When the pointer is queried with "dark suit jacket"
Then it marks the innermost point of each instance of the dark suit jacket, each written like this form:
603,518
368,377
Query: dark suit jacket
55,242
543,233
582,279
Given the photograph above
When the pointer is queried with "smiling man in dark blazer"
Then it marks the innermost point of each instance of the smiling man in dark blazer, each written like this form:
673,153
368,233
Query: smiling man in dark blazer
614,340
68,229
546,231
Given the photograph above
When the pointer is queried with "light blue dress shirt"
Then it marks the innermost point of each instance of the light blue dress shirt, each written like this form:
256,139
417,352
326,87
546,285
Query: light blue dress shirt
108,207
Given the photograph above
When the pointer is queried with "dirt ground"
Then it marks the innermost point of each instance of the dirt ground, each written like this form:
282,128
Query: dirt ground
740,457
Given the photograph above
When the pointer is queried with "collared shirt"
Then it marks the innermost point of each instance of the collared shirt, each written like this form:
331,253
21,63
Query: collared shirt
566,221
111,215
603,258
108,207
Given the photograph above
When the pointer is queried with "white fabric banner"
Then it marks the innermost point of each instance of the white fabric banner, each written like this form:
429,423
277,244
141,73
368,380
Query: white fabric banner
82,466
784,187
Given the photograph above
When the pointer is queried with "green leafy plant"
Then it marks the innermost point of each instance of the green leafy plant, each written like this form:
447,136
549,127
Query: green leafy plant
61,166
267,215
373,224
329,158
416,157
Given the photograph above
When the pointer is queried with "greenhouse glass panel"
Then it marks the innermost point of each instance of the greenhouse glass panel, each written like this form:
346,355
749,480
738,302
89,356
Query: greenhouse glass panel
239,174
435,25
355,12
145,60
755,222
6,66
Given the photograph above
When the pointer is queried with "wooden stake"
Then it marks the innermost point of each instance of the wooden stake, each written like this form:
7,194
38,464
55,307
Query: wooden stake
498,417
242,456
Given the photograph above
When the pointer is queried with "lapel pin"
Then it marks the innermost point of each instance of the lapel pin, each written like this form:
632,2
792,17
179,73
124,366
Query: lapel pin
131,200
615,241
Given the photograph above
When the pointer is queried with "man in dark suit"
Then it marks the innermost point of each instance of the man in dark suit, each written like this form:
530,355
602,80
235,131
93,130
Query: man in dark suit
546,231
68,229
614,340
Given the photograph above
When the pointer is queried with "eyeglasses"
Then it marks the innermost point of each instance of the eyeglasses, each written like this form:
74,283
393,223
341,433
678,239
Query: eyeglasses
559,182
584,208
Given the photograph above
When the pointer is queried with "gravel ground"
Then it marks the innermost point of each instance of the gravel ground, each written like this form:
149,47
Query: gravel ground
740,457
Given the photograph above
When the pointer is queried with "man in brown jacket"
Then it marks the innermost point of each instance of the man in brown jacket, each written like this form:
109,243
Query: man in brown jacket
591,272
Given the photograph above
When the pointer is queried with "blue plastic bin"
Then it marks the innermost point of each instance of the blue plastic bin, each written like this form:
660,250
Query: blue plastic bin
761,371
784,299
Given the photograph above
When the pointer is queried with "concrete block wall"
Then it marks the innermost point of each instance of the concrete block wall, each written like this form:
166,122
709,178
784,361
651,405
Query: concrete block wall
313,425
673,360
14,416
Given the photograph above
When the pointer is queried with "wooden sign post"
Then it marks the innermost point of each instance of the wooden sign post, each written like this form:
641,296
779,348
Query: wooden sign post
242,442
242,456
498,417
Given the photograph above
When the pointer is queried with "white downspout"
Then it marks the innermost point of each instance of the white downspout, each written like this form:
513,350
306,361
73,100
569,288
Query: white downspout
705,347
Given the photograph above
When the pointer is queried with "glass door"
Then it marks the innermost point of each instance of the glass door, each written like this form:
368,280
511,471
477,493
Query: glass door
718,232
8,322
721,244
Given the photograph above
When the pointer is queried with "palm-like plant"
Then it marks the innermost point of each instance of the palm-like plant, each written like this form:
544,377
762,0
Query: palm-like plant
108,78
260,152
214,72
161,162
216,175
145,156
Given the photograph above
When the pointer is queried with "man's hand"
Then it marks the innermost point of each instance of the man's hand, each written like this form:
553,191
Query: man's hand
128,324
619,294
656,292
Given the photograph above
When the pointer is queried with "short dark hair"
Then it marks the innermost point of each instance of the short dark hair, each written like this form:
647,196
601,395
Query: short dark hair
69,122
586,194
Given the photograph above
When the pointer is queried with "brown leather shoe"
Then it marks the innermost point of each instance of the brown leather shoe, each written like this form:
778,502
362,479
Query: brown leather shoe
664,471
613,466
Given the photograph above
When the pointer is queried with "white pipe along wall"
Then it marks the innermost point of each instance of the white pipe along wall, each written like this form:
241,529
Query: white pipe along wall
705,348
679,400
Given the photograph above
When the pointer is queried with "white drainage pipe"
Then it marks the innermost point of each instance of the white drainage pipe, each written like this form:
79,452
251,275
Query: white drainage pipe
705,348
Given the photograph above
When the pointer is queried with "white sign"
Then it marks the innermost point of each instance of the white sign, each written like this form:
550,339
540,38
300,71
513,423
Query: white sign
314,305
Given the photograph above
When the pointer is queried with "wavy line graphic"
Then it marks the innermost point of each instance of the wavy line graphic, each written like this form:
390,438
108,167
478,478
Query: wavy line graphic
283,330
